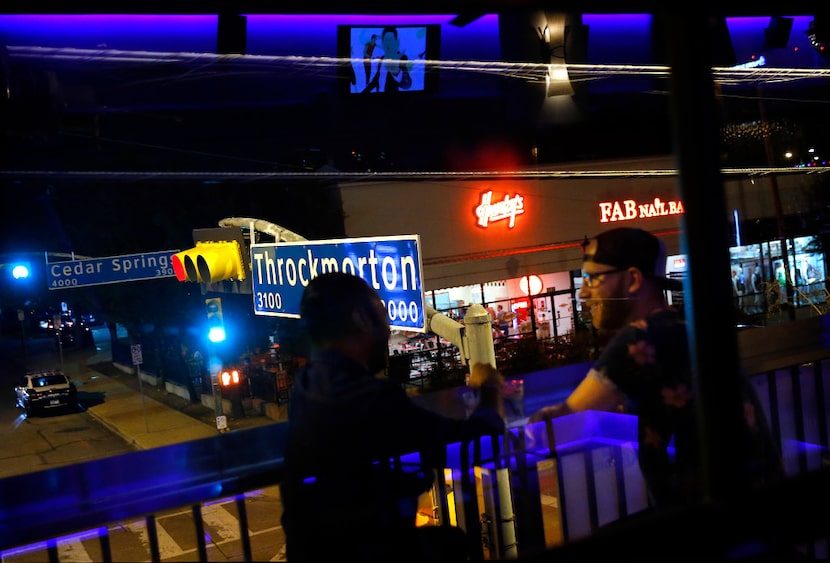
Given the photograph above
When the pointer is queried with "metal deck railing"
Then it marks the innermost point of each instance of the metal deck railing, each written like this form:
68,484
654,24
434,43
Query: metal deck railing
538,491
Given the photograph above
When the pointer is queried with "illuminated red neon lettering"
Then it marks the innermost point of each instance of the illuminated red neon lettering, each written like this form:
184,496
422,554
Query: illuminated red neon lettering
611,211
487,211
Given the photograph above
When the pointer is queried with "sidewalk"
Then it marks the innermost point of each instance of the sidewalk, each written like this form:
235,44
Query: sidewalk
144,415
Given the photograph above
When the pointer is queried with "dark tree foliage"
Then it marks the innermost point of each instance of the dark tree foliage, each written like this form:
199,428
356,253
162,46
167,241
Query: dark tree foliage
113,218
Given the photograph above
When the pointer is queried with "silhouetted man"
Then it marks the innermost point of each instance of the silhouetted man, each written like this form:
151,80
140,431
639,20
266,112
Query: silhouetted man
343,496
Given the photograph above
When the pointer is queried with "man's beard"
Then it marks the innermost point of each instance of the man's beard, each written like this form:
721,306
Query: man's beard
613,315
613,312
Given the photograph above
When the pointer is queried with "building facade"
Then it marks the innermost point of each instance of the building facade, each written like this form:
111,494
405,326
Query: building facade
502,238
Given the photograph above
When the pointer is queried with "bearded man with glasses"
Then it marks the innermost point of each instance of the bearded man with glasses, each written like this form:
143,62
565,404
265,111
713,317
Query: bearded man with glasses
645,370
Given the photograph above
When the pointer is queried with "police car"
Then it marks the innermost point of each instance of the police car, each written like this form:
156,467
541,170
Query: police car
44,391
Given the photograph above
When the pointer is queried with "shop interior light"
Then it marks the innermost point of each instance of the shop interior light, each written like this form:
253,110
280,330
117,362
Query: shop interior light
531,285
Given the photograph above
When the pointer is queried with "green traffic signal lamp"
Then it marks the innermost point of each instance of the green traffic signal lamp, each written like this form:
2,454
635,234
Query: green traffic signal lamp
20,271
216,334
215,320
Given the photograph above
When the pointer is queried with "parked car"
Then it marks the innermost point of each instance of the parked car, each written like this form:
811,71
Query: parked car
43,391
73,331
91,319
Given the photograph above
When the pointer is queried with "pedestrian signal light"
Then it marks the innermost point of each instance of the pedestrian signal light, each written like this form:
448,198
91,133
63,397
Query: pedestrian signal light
229,378
220,254
216,323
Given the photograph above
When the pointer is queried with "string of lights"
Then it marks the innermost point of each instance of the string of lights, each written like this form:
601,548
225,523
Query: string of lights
529,71
194,65
749,172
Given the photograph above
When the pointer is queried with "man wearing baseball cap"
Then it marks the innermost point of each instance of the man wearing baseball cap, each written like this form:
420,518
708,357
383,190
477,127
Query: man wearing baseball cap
645,369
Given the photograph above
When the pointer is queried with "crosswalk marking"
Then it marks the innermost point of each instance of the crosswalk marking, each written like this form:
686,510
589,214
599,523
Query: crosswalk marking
73,551
168,548
221,523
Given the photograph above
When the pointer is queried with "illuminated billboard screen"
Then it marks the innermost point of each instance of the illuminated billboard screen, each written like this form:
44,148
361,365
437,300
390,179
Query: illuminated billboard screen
386,59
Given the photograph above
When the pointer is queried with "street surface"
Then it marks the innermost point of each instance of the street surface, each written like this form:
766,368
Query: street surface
176,533
43,442
49,440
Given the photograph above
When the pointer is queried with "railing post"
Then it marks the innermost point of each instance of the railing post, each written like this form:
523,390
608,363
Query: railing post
527,495
498,519
710,311
474,338
479,336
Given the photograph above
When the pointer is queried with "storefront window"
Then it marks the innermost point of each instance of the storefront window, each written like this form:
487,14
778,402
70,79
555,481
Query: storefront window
761,283
807,271
748,278
550,311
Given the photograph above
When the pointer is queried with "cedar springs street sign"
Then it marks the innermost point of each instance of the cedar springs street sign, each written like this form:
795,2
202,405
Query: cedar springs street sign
391,265
113,269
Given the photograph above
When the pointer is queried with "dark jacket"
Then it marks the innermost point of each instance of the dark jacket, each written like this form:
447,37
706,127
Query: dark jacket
648,361
346,427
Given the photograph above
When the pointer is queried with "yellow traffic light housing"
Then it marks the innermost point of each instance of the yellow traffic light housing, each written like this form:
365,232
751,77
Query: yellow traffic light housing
210,262
220,254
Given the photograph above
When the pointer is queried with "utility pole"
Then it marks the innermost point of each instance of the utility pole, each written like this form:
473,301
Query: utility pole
21,316
776,201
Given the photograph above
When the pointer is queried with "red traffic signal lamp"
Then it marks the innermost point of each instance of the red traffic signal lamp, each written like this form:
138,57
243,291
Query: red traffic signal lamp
220,254
229,378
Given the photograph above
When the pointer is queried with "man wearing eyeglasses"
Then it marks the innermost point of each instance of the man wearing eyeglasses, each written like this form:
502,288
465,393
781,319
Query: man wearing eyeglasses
644,368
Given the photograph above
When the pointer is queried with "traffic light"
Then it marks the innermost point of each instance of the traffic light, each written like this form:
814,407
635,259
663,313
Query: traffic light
20,271
220,254
216,323
17,271
229,378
